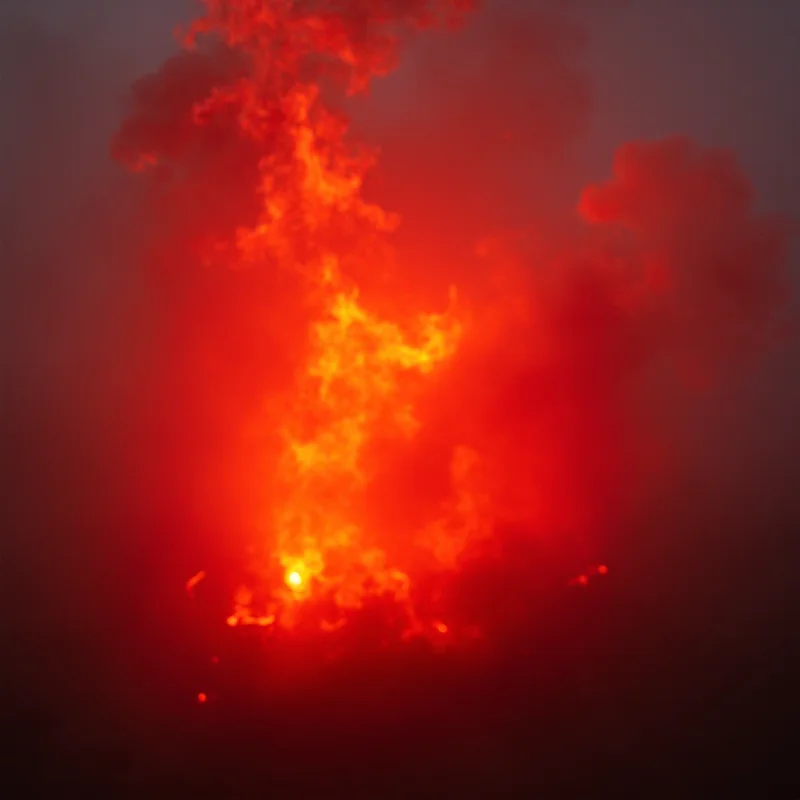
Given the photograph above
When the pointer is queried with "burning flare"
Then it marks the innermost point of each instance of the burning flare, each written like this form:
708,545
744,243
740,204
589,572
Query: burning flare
667,269
362,372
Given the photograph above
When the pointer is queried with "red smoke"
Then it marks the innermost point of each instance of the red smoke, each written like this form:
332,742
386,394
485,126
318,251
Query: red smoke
712,272
537,428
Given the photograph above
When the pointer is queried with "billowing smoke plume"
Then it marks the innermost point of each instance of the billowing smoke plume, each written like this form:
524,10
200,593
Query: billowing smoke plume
665,280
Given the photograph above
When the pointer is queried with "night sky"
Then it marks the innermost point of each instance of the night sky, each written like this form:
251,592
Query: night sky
711,557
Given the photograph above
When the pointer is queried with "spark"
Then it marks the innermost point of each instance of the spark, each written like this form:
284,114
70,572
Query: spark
193,581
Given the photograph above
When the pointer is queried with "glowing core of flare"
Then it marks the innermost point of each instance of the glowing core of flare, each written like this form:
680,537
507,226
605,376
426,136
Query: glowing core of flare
294,579
358,380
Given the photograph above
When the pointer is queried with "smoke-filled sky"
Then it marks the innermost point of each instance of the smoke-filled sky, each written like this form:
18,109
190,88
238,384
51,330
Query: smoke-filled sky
81,328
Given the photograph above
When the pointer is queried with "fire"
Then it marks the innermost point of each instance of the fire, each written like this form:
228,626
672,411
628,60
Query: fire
525,415
357,383
294,579
362,371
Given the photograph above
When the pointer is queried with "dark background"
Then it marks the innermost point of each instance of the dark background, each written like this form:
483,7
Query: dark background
672,679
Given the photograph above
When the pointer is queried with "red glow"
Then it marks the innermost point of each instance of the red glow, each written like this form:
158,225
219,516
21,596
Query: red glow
406,414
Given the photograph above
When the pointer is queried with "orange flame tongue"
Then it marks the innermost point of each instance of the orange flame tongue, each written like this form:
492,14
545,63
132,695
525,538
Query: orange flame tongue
353,386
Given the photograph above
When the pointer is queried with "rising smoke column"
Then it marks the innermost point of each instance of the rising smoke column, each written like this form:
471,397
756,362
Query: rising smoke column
264,83
533,428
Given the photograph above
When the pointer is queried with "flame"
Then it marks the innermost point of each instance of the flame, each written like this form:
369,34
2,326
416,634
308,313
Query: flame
665,269
362,371
352,387
295,579
355,384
